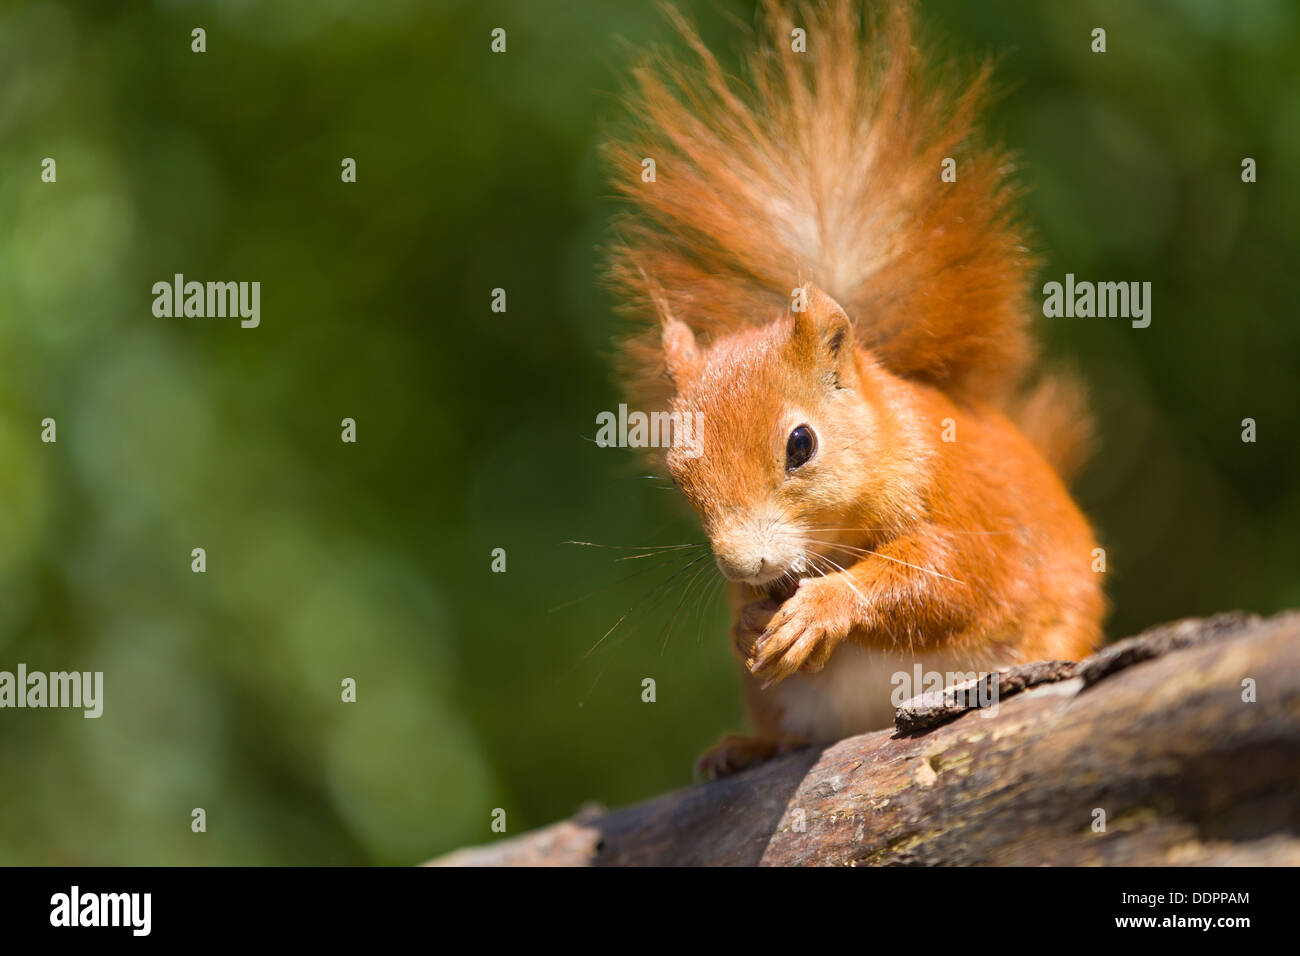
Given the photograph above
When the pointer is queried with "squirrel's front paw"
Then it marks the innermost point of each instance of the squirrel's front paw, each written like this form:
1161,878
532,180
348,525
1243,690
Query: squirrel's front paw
750,625
801,635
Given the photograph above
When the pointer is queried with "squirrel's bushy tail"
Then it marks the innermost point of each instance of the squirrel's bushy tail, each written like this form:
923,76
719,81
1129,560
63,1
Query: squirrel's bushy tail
825,166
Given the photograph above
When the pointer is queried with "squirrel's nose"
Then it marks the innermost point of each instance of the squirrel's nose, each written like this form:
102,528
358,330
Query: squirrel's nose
741,567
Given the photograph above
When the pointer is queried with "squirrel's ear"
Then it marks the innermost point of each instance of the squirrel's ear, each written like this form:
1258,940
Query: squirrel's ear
823,334
681,354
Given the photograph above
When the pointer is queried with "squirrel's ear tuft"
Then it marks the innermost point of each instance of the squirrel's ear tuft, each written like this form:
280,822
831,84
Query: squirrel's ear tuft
823,334
681,354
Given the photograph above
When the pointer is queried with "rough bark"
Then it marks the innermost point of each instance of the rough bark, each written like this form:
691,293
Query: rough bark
1153,732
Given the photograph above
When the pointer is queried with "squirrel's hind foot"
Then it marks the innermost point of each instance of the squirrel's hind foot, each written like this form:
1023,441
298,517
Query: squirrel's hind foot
735,752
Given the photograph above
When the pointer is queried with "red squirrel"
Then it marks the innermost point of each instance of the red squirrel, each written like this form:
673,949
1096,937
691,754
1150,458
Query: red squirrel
829,276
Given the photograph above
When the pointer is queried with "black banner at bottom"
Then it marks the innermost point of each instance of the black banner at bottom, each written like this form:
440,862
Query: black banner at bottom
910,906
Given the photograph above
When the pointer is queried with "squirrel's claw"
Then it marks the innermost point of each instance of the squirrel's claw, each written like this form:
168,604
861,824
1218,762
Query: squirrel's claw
752,622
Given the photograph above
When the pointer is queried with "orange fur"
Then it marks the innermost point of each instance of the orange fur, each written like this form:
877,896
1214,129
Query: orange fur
824,175
827,168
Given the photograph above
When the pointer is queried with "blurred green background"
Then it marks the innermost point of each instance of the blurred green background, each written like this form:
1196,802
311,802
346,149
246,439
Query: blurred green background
372,560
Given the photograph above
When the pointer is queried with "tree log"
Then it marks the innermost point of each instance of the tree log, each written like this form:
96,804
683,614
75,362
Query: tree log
1151,752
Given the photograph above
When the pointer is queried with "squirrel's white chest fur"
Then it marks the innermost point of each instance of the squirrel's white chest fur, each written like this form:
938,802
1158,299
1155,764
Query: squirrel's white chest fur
857,691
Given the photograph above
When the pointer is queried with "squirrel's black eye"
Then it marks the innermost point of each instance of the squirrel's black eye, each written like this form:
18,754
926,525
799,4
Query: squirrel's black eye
801,446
